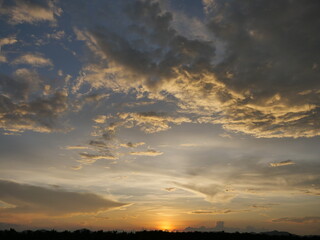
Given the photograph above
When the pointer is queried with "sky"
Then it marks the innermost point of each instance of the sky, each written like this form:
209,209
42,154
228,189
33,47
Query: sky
160,114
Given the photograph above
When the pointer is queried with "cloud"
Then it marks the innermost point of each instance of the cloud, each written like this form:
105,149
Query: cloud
150,152
20,110
253,87
299,220
91,158
269,72
38,115
33,199
132,145
76,168
213,193
3,59
100,119
75,147
7,41
148,122
189,145
94,157
282,163
57,35
201,212
218,212
34,59
83,99
135,104
151,122
98,144
30,11
263,206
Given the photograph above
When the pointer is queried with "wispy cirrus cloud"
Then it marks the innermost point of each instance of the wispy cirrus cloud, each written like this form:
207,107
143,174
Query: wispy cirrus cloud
213,192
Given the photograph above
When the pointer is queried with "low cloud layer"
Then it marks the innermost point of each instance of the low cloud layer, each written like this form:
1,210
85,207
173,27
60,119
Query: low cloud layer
24,198
298,220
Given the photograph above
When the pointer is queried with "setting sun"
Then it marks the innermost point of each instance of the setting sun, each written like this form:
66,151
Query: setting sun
165,226
160,115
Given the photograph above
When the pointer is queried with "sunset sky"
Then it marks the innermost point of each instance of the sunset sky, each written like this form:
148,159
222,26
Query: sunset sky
162,114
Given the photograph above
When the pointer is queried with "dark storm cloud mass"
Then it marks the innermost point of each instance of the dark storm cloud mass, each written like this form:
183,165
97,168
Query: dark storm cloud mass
23,198
266,83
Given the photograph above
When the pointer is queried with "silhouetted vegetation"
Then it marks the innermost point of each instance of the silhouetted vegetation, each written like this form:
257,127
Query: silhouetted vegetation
142,235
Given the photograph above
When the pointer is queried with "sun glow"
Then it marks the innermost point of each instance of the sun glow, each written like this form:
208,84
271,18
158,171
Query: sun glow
165,226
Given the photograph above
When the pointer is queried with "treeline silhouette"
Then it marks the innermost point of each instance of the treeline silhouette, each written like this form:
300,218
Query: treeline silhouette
141,235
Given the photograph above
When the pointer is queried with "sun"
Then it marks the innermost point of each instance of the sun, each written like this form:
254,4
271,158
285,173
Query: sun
165,226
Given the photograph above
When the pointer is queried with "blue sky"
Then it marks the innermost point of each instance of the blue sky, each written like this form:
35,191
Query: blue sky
160,114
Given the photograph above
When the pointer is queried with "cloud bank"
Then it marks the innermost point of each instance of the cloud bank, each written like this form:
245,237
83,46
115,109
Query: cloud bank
261,86
24,198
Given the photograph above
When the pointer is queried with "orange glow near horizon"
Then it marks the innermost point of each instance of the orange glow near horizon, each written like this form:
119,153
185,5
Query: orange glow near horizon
165,226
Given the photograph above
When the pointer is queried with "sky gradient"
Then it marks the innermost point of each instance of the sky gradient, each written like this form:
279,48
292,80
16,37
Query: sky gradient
161,114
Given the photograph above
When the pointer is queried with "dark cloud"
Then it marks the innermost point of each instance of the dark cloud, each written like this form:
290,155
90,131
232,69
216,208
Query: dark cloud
282,163
157,49
219,212
7,226
201,212
24,107
32,199
98,144
39,115
21,84
94,157
170,189
132,145
271,58
300,220
265,84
